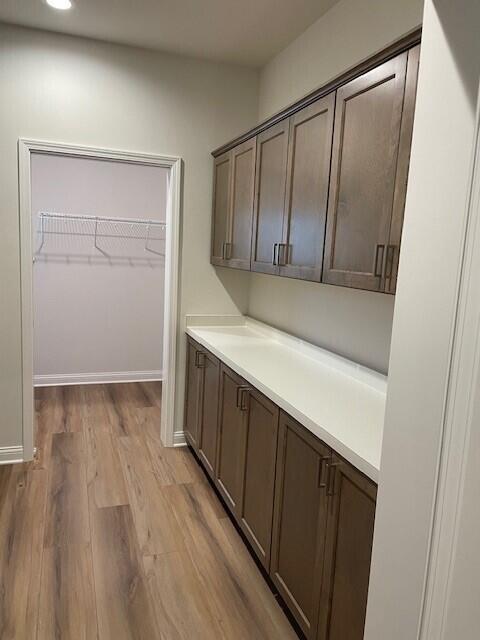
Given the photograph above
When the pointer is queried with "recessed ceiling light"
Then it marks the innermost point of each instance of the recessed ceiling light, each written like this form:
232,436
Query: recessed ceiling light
60,4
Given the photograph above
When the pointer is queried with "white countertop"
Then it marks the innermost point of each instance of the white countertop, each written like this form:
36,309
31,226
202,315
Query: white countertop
339,401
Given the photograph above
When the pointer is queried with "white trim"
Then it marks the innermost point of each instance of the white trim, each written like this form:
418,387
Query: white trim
25,148
172,261
26,288
103,377
11,455
179,439
459,419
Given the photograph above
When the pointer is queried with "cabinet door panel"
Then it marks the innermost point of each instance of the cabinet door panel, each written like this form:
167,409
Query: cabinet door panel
243,186
309,153
368,116
230,439
256,510
393,250
208,414
272,147
192,397
299,522
221,207
348,554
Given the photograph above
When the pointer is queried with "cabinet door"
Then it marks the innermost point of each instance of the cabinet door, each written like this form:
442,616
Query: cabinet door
239,245
208,412
272,146
393,248
308,172
231,436
260,454
299,522
192,394
221,207
348,553
368,117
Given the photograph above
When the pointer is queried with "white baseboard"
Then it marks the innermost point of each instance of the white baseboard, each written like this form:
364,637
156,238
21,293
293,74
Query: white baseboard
96,378
179,439
9,455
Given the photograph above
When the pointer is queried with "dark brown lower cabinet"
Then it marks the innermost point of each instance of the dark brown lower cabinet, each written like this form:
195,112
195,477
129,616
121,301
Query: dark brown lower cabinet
307,513
192,393
247,452
348,553
208,410
300,521
231,436
258,473
201,403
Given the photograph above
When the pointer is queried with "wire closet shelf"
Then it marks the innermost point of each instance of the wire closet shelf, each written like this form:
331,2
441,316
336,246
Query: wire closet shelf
96,227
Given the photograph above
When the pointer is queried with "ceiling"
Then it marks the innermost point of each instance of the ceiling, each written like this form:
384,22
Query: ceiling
247,32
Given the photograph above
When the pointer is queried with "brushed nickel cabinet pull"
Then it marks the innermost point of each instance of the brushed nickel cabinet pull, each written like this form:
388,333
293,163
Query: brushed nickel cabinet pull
331,478
377,271
228,250
274,257
199,363
389,261
244,391
282,254
321,460
240,397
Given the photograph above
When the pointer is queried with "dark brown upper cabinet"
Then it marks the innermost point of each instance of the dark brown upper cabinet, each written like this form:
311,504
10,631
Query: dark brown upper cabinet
308,170
201,403
329,177
234,182
221,207
241,211
348,553
258,474
371,143
403,164
300,522
270,181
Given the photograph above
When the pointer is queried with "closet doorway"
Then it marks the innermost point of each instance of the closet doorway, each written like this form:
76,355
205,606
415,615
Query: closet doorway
99,248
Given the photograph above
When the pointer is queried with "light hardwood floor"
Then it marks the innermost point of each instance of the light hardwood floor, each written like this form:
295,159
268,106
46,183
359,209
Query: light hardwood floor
107,534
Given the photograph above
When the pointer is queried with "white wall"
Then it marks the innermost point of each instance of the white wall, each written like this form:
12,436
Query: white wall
356,324
73,90
97,317
425,313
351,31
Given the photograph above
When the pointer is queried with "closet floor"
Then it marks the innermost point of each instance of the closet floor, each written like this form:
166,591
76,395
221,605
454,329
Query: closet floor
107,534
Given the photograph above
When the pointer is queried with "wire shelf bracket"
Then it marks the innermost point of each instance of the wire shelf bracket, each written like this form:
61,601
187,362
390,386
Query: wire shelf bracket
132,223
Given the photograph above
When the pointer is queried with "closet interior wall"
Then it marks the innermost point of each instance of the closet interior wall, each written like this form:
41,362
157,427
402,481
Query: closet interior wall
98,311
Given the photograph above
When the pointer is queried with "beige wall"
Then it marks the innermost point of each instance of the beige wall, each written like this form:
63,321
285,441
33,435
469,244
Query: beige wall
349,32
85,92
356,324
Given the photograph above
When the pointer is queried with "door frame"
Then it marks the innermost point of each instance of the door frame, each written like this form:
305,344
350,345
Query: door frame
27,147
460,420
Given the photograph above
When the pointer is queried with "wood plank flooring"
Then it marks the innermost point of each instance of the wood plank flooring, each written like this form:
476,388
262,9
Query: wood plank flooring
108,535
